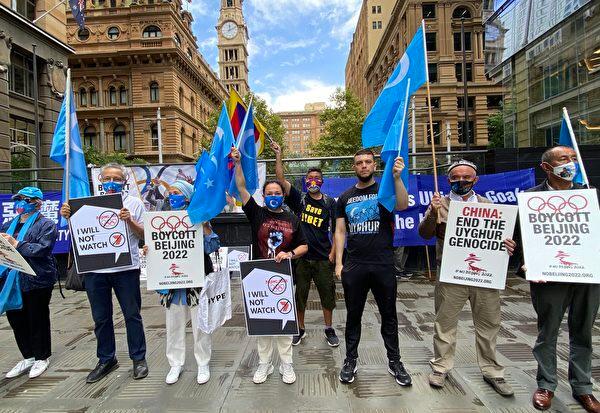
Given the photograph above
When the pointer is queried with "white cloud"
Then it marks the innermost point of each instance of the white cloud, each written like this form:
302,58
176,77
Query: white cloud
294,98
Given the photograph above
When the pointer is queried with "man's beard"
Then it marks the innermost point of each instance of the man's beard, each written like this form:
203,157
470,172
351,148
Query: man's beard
364,179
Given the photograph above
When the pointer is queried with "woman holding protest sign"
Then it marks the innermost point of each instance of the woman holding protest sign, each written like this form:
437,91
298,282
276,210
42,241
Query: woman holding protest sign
181,302
33,236
276,234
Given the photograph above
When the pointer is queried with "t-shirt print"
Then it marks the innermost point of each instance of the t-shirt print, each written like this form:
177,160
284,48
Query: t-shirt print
274,236
363,214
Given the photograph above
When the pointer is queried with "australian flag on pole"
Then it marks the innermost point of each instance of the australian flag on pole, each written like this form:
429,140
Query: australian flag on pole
78,10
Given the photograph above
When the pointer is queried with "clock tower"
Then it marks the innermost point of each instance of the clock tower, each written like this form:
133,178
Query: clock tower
233,46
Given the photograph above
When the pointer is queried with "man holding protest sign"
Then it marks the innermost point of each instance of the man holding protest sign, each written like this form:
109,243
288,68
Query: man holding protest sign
125,281
450,298
33,236
370,262
276,234
316,211
551,299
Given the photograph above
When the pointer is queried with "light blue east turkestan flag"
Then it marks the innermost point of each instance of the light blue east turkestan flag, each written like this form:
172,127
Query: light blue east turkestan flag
247,147
566,139
79,185
214,174
413,66
396,144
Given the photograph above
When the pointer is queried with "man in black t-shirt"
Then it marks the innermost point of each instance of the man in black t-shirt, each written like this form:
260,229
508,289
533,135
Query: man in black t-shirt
370,261
316,211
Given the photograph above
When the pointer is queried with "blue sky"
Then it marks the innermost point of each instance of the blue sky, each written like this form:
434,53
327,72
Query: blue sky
298,48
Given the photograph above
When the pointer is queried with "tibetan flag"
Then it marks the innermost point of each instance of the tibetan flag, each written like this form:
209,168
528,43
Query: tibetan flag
237,111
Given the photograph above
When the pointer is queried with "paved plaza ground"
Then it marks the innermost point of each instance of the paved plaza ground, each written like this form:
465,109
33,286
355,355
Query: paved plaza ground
63,387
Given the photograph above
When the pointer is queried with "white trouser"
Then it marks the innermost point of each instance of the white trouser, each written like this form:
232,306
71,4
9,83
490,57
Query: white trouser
265,348
177,316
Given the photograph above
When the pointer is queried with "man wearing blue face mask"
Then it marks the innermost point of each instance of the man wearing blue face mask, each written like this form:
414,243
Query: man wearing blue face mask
451,298
124,281
33,235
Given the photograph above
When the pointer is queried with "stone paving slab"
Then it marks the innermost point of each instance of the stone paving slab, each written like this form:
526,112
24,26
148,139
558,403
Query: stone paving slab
317,389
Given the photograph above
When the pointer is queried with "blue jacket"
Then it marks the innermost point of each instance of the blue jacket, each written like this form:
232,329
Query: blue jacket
36,248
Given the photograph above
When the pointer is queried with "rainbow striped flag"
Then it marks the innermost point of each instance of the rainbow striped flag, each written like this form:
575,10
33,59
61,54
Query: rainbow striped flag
237,111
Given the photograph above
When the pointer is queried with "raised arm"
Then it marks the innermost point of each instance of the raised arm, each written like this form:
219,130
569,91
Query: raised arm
240,180
279,167
401,193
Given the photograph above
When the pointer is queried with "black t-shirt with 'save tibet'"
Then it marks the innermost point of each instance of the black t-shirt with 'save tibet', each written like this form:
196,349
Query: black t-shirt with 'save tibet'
369,226
316,217
272,232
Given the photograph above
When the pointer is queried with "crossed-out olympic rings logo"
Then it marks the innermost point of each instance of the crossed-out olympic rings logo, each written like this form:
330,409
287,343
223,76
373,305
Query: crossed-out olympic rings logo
557,203
172,223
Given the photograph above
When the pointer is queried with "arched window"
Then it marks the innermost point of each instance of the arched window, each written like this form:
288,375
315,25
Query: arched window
122,95
112,96
119,139
82,97
193,106
89,136
154,136
151,31
113,33
460,12
154,93
177,40
181,98
93,96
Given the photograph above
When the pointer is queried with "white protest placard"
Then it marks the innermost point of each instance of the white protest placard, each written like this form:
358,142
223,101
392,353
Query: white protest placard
269,303
175,257
474,251
235,255
10,258
100,238
560,233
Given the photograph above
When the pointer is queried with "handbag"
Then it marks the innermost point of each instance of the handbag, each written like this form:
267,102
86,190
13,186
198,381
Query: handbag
74,280
214,304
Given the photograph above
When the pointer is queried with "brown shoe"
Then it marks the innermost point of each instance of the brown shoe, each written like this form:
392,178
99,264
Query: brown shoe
542,399
588,402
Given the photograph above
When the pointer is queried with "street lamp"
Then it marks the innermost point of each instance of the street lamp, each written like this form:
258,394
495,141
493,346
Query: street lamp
464,76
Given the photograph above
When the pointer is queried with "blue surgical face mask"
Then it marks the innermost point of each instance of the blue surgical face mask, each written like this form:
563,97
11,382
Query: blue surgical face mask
112,187
24,207
177,201
461,187
273,201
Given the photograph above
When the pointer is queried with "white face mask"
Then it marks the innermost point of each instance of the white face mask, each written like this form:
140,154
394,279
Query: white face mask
566,171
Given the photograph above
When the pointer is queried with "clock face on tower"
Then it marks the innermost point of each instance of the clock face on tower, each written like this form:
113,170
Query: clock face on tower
229,30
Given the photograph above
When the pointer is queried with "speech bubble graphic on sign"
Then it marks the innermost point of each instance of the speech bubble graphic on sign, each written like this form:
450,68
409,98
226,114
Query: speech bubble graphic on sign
269,296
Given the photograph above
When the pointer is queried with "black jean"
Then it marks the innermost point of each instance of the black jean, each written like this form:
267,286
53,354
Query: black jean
357,280
31,324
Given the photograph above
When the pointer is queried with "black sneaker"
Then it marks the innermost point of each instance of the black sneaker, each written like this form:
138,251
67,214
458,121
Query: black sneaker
331,337
396,369
297,339
348,371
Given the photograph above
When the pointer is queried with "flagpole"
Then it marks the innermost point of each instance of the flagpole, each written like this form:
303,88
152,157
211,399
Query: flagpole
404,120
576,147
237,144
67,136
435,177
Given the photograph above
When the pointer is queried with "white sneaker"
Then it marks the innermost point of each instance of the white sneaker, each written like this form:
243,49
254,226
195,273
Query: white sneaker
21,367
173,375
39,366
288,376
262,372
203,374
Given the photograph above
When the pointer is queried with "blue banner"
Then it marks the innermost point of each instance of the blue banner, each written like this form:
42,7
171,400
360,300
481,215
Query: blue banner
50,209
499,188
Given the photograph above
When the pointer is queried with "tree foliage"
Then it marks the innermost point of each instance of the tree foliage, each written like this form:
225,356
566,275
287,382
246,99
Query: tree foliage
495,125
343,124
95,157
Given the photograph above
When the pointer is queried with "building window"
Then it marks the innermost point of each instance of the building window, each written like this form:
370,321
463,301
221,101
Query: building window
458,70
458,42
154,136
229,3
460,102
430,42
119,138
435,102
461,12
122,95
113,3
89,137
182,138
378,9
20,77
151,31
181,98
428,10
25,8
177,40
113,33
112,96
154,93
83,34
93,97
82,97
437,127
433,72
461,138
193,106
374,25
494,101
189,54
373,9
